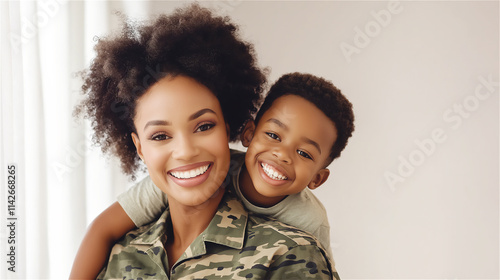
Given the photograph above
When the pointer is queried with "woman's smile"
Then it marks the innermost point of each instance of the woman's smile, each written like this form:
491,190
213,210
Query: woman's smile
191,175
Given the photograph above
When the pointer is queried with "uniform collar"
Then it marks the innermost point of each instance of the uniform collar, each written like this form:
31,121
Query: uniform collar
227,228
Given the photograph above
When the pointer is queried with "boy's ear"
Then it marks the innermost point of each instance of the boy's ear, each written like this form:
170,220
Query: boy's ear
319,178
247,134
137,144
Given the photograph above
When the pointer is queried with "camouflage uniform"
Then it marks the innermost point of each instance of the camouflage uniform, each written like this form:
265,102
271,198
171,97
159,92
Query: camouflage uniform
235,245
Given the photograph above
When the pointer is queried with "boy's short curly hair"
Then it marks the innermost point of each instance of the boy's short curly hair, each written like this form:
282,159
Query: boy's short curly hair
324,95
191,41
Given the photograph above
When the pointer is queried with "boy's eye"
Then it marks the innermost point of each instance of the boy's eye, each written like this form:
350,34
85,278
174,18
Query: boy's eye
304,154
205,127
273,136
159,137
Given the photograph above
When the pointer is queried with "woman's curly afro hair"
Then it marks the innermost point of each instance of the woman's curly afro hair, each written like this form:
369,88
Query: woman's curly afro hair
192,42
324,95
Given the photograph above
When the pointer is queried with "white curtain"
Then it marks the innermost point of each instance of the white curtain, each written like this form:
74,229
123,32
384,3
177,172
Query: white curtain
62,182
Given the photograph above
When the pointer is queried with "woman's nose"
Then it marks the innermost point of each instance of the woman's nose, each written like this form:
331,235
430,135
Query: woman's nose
185,148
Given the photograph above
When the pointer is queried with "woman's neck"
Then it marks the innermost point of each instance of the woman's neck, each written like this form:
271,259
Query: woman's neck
188,223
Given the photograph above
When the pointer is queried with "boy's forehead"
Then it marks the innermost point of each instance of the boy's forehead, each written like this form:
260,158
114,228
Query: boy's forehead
297,112
285,108
291,107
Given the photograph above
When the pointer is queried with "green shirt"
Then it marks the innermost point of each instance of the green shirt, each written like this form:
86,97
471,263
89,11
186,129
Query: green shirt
235,245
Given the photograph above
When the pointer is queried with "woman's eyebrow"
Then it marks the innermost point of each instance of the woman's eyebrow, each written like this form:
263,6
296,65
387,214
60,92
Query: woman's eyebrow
192,117
157,122
200,113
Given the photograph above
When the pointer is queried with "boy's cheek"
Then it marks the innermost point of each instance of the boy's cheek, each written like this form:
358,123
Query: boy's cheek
258,144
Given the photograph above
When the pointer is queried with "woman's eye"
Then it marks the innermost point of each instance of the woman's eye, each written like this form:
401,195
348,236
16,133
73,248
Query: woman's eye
159,137
273,136
205,127
304,154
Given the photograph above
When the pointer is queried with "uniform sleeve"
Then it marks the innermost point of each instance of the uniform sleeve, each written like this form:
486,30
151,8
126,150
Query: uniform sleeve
302,262
143,202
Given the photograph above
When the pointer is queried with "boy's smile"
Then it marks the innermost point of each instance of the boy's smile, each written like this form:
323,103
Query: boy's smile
272,173
287,150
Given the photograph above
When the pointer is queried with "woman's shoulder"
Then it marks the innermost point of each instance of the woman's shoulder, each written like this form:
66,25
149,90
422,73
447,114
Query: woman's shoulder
272,228
293,249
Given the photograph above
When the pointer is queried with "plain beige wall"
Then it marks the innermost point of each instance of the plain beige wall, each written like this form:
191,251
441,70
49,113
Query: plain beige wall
415,194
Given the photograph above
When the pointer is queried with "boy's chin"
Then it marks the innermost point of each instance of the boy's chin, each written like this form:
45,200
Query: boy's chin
270,192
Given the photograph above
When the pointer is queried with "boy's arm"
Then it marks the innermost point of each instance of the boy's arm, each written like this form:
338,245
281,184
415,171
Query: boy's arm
323,235
138,206
144,202
101,235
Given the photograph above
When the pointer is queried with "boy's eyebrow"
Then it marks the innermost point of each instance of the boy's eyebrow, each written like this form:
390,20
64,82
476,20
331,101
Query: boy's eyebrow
277,122
312,142
192,117
305,139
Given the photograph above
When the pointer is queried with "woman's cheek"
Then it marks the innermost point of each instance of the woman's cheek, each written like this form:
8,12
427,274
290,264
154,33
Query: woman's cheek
220,146
154,157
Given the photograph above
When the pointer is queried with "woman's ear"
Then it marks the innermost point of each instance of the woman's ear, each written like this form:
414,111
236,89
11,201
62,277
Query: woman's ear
137,144
247,134
319,178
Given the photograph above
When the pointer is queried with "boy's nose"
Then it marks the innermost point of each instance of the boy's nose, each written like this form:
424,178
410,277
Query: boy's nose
282,155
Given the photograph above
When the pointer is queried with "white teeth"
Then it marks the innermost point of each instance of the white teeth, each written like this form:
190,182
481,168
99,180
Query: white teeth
271,172
190,173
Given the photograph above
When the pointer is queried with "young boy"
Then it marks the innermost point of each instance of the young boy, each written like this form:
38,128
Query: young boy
303,124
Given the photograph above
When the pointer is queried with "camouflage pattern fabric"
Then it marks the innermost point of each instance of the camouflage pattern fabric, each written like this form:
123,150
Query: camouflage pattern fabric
235,245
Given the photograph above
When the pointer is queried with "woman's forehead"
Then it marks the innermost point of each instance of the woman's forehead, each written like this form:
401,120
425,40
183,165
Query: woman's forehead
176,97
